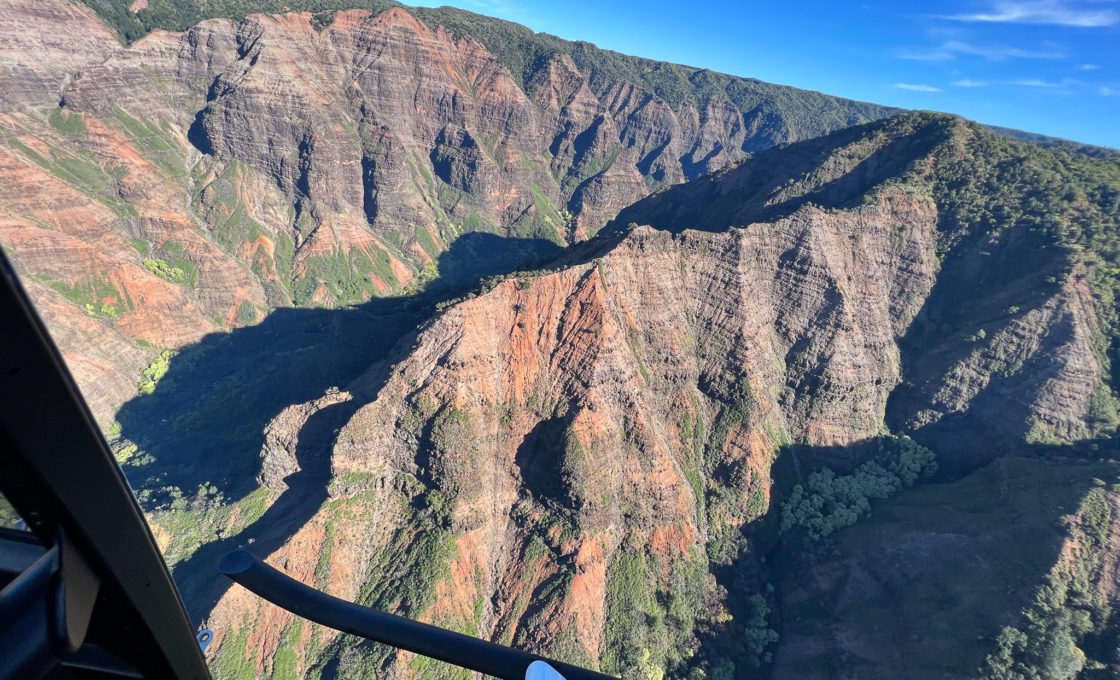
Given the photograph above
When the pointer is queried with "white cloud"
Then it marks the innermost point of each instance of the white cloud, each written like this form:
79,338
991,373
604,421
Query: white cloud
1088,67
1033,82
916,88
1048,84
951,49
1108,91
1053,12
966,82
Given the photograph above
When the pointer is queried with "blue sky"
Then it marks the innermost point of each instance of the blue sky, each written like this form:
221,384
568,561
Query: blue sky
1048,66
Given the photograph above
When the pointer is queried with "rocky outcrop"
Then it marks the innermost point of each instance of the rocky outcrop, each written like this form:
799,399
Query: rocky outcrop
565,413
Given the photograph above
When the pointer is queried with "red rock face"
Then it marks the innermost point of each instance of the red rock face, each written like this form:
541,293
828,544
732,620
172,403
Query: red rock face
581,396
586,393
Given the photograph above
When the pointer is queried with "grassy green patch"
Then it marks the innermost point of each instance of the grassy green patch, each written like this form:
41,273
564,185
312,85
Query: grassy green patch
95,294
82,171
155,143
348,277
424,239
545,221
142,246
67,123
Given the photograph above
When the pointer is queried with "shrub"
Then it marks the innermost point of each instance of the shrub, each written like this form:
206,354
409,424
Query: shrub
164,270
151,375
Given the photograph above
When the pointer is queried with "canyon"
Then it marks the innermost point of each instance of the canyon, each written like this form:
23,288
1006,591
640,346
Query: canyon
315,160
546,344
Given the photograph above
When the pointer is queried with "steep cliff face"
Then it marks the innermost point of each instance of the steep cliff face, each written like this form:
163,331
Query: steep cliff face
1014,341
387,122
587,460
192,181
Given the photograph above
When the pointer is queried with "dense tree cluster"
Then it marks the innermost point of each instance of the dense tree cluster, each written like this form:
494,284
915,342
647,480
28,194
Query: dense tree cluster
165,270
151,375
828,501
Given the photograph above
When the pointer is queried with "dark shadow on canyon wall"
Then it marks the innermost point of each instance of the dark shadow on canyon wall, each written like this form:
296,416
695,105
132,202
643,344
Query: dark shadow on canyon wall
540,458
925,583
986,282
737,196
204,424
481,254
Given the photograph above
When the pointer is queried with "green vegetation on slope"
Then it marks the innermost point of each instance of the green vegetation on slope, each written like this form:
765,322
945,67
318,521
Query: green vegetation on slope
203,517
1073,199
402,577
82,170
155,142
68,124
651,627
95,294
1067,608
348,278
179,15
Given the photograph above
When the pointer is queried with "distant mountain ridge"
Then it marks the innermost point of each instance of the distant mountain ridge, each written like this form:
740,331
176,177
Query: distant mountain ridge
525,52
521,50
